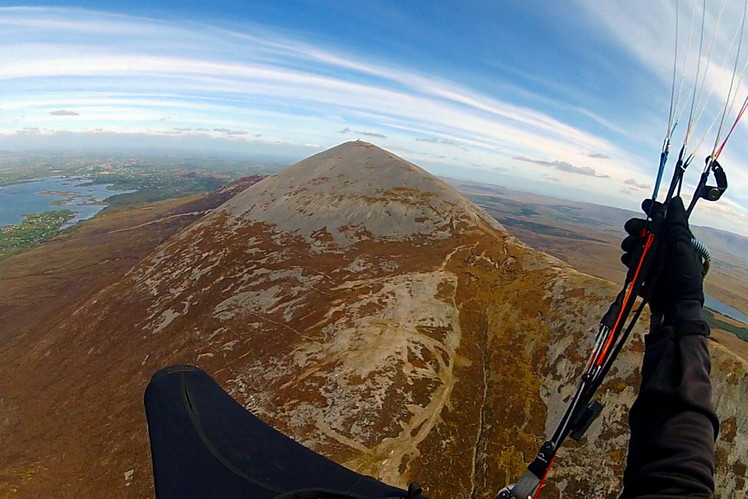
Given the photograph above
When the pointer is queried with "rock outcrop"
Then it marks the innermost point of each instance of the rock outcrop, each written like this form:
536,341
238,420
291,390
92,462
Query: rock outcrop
362,306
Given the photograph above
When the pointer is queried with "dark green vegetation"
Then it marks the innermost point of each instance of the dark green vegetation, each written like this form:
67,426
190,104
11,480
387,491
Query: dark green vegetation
506,212
546,230
503,205
575,214
156,186
33,230
715,322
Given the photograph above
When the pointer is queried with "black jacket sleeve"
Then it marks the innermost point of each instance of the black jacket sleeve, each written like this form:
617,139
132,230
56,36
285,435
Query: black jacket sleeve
673,423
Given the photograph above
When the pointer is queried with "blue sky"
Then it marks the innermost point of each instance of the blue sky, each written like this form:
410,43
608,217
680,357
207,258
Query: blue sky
567,98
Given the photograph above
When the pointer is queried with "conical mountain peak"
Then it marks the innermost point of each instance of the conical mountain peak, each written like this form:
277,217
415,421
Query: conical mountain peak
356,190
406,339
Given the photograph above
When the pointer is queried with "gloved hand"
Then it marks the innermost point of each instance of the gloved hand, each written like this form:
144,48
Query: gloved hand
680,269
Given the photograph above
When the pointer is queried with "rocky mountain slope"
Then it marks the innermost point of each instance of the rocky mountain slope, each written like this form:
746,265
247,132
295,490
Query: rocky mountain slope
587,236
358,304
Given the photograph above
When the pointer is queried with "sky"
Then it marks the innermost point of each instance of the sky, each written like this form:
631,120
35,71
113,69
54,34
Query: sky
569,98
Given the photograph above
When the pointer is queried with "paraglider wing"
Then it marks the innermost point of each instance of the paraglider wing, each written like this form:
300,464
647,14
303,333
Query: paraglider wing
205,444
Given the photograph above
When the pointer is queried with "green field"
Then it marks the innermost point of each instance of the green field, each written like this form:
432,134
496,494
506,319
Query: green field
33,230
711,318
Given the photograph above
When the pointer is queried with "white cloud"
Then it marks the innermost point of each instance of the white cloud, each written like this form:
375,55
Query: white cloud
63,112
291,90
425,102
632,182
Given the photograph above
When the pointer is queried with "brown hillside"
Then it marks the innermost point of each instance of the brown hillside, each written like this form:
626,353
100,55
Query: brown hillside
357,303
53,277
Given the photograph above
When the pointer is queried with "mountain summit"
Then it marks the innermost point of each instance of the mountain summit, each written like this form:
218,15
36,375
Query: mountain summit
353,192
358,304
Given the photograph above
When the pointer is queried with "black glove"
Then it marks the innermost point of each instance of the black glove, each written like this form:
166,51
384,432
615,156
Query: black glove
676,276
